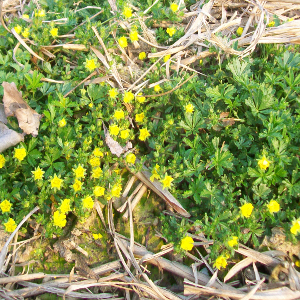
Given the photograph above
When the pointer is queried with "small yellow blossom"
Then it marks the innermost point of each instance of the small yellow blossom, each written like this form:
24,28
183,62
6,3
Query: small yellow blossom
144,134
123,42
273,206
221,262
26,33
5,206
246,210
88,202
142,55
40,13
25,16
239,31
54,32
155,174
140,117
189,108
94,161
297,263
114,129
130,158
127,12
174,7
38,173
128,97
62,123
134,36
90,64
97,236
77,186
10,225
56,182
157,88
18,29
167,181
233,241
2,161
167,57
119,114
59,219
79,172
116,190
295,229
97,152
96,173
20,154
271,24
290,19
91,105
99,191
113,93
65,206
124,134
263,163
171,31
140,98
187,243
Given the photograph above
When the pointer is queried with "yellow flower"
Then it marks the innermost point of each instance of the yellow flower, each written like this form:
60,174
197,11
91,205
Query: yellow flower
113,93
171,31
116,190
130,158
271,24
25,33
65,206
114,129
187,243
239,31
88,202
79,172
233,241
174,7
56,182
142,55
125,134
5,206
41,13
91,105
189,108
10,225
167,181
273,206
167,57
97,236
99,191
297,263
263,163
62,123
90,64
144,134
134,36
119,114
54,32
94,161
18,29
2,161
123,42
140,98
77,185
246,210
97,152
140,117
290,19
38,173
96,173
155,174
295,229
127,12
20,154
128,97
221,262
157,88
59,219
25,16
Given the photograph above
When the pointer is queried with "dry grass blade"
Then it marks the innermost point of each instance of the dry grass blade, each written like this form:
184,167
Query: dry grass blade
238,267
253,291
26,277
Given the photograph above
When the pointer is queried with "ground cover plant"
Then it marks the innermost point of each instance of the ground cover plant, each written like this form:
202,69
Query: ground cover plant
222,136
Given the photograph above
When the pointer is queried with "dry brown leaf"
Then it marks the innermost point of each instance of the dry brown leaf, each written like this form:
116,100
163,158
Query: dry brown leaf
14,105
8,137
